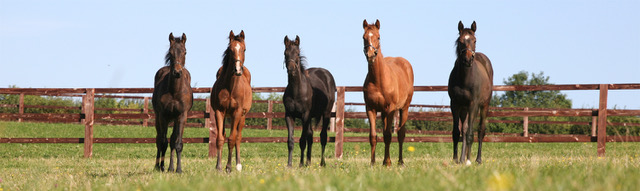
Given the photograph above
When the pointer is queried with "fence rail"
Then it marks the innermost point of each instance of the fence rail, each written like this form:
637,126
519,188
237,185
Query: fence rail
88,117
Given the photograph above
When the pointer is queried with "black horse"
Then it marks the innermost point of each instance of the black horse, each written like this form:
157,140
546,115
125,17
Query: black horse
309,94
470,88
172,99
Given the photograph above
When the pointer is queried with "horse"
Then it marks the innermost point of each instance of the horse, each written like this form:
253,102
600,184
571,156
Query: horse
388,88
470,88
231,96
172,99
310,93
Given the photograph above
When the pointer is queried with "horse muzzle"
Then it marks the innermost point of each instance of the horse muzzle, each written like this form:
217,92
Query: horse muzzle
176,74
238,69
370,52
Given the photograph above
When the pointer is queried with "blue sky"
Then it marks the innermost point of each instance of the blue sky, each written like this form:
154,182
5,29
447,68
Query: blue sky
78,44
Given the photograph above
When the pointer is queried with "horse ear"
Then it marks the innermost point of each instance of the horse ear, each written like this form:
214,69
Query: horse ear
378,24
365,24
242,34
286,40
231,35
473,26
460,26
171,37
184,38
297,40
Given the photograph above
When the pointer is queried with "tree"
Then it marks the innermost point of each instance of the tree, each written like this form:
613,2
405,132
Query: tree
532,99
535,99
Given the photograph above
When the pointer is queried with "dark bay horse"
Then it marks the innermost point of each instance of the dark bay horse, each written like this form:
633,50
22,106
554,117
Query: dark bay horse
310,94
231,96
470,88
388,89
172,99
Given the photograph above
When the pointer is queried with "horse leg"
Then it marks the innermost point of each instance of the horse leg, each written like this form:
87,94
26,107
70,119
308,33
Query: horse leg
404,115
220,136
373,138
172,145
464,128
455,133
387,120
473,113
290,125
232,141
326,119
309,142
238,141
161,142
303,139
179,129
481,132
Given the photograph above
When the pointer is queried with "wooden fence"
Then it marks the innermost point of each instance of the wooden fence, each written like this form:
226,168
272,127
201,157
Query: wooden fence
88,117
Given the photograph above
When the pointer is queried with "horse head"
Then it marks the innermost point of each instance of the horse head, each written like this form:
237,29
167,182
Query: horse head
371,39
292,57
466,43
236,52
176,55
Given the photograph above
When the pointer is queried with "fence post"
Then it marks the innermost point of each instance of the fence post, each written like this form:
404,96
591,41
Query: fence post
269,115
602,120
145,121
339,121
525,124
88,122
21,107
209,123
594,124
332,121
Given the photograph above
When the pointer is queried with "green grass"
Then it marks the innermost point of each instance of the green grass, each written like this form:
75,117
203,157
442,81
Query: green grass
507,166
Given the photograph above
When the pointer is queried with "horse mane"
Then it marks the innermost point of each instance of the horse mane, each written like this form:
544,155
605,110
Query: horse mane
167,58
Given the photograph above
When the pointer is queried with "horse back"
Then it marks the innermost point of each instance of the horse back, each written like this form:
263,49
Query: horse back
402,71
324,88
486,63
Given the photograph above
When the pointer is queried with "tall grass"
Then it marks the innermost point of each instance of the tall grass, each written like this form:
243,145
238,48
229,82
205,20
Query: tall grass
507,166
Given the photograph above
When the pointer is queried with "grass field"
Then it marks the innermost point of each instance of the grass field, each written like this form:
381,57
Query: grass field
507,166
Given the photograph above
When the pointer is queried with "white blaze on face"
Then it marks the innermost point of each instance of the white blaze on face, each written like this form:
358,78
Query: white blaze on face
238,62
466,37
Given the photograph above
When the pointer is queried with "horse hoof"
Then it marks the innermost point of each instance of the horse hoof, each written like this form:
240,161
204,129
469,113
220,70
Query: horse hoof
179,171
479,161
228,169
239,167
323,164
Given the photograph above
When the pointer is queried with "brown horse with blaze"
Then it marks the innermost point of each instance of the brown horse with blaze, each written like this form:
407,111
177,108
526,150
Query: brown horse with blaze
231,96
388,89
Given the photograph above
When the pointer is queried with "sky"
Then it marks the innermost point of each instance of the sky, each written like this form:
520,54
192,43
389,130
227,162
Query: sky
121,44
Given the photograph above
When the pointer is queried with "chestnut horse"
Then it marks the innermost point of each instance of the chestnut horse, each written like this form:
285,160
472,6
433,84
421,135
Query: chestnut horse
172,99
310,94
470,88
231,96
388,89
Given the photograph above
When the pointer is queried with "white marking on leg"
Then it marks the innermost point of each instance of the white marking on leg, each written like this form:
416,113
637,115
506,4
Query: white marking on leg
468,163
239,167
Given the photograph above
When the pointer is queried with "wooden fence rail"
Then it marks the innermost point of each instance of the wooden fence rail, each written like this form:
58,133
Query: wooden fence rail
88,117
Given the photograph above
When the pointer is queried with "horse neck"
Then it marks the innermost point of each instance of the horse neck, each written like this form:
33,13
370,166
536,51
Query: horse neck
377,68
298,80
